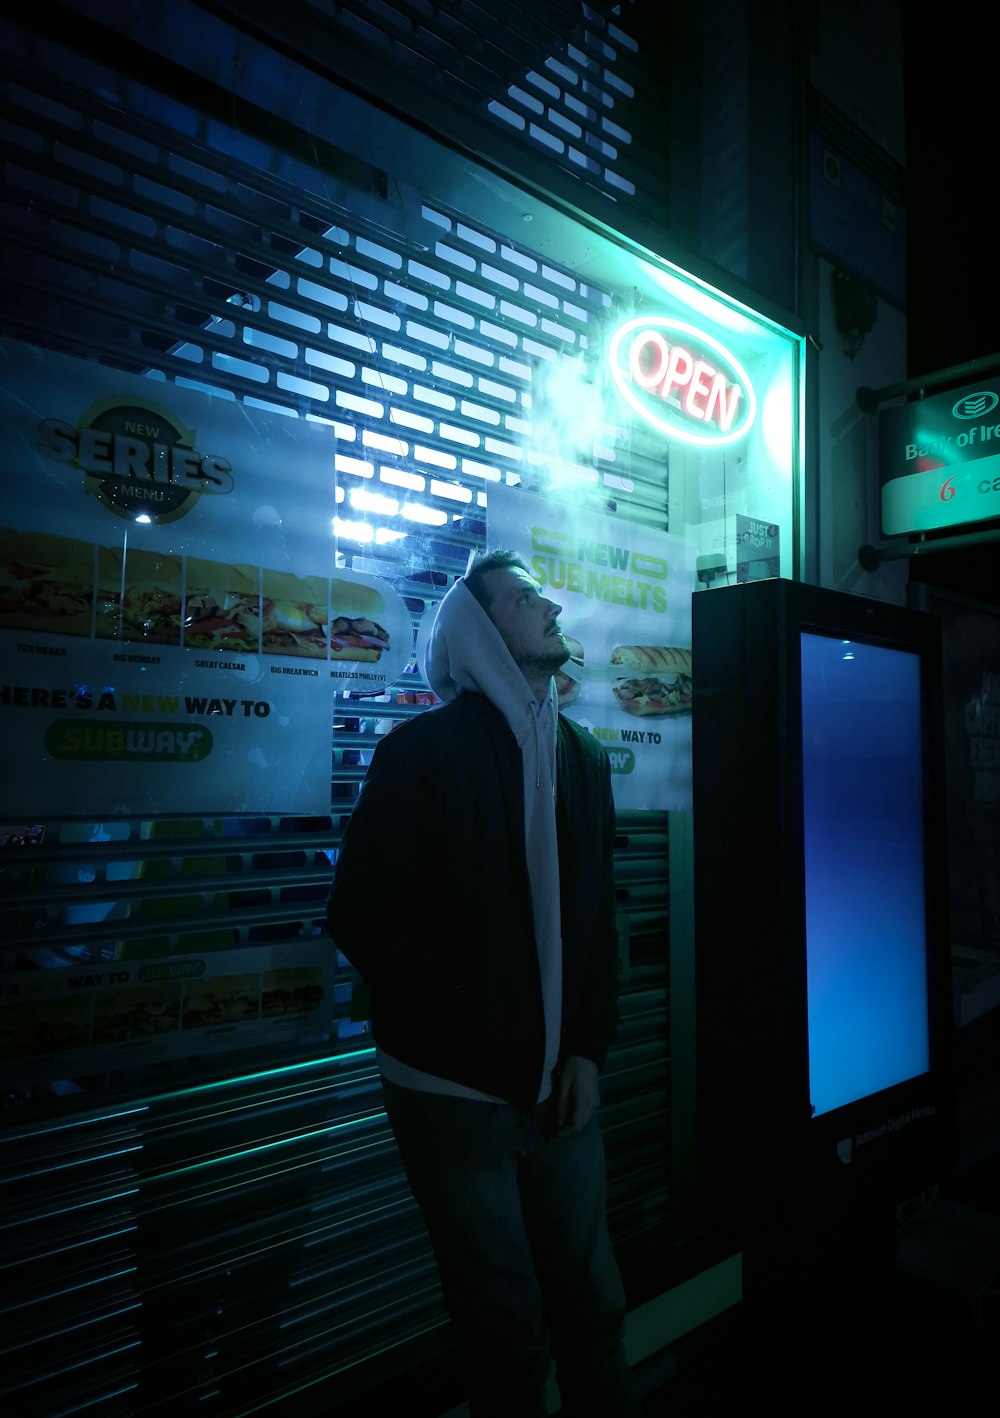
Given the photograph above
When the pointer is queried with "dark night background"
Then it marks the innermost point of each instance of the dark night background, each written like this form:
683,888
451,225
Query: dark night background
953,281
951,136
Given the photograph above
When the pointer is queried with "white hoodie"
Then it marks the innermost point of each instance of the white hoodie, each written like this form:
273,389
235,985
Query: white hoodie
465,651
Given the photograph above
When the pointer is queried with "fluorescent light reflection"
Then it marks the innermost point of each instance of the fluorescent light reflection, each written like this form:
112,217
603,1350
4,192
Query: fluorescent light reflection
452,490
777,417
365,501
431,516
353,531
397,477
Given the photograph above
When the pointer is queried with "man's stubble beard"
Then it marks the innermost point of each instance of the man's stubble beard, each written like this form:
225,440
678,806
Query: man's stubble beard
554,660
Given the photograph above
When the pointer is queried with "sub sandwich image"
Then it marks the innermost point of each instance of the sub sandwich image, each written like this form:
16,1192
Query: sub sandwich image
152,612
46,582
221,607
655,680
567,685
136,1013
294,612
356,633
143,602
221,620
228,999
292,991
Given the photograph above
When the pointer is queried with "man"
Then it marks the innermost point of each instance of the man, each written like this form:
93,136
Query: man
474,894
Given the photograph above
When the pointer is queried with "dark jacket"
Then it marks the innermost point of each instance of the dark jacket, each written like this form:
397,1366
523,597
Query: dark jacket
431,904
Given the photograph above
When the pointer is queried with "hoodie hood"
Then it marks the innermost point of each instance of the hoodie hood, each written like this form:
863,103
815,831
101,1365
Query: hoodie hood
467,652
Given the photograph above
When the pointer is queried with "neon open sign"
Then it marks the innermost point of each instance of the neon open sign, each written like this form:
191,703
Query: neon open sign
682,380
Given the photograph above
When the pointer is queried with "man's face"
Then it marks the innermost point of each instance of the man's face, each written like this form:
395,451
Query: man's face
526,620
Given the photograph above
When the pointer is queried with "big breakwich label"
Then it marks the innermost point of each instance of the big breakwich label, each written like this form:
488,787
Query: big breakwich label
138,459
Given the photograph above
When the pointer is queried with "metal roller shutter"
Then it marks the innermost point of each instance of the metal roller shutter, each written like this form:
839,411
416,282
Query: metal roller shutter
236,1229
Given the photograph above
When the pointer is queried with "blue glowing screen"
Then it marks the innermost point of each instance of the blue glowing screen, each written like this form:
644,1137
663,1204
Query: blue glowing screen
866,937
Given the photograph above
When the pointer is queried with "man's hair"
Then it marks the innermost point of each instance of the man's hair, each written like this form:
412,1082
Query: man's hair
480,562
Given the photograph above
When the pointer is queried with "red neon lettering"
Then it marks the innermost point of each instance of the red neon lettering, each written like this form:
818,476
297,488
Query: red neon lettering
657,365
649,378
698,389
679,367
725,400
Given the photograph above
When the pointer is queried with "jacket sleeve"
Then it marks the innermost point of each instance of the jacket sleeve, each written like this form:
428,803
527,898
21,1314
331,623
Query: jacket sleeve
591,1007
380,864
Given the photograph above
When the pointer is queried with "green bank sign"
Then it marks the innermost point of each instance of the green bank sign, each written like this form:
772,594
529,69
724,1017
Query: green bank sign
939,460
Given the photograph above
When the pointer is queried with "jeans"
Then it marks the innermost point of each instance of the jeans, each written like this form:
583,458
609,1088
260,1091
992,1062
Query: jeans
516,1217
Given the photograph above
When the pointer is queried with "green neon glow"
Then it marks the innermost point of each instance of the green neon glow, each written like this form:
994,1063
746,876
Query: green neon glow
700,300
366,1054
265,1147
777,416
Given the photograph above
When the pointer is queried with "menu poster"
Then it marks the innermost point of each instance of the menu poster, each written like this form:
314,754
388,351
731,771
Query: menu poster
168,591
625,593
75,1021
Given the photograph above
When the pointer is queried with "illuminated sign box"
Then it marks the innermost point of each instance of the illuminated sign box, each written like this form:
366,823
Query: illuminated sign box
939,460
682,380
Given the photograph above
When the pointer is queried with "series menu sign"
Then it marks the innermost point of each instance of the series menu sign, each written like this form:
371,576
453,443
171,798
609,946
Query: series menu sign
172,622
939,460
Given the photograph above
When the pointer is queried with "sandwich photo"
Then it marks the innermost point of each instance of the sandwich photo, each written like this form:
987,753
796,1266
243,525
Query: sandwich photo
136,1013
655,679
568,686
356,632
140,600
293,991
221,607
227,999
294,612
46,582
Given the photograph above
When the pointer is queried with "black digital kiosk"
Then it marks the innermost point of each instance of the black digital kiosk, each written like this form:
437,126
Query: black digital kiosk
823,986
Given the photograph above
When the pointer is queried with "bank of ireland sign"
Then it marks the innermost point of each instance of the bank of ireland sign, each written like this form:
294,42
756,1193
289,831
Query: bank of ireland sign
939,463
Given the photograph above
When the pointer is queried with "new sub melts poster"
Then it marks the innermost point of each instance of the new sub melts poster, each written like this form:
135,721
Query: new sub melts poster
625,593
172,621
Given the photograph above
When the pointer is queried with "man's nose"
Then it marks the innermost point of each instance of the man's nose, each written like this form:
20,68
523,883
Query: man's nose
554,607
